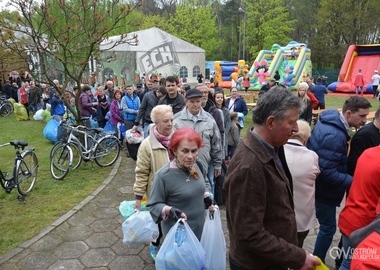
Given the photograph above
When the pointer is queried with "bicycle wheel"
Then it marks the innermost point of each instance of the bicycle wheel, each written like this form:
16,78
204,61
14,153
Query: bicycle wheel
26,173
6,109
60,157
77,155
107,151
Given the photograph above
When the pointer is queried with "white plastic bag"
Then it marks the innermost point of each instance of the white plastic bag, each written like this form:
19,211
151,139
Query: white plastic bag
38,115
134,137
181,250
139,228
213,241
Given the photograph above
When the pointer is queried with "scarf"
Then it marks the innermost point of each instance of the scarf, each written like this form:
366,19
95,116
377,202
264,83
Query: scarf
164,140
192,171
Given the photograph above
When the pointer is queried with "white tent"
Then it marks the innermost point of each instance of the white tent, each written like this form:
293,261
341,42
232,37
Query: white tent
157,51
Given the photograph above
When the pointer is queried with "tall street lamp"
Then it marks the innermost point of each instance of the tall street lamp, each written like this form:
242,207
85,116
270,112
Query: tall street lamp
244,22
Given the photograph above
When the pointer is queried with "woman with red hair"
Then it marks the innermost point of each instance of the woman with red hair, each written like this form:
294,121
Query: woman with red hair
179,189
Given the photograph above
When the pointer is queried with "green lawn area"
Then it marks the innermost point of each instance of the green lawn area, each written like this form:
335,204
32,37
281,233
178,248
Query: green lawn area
50,198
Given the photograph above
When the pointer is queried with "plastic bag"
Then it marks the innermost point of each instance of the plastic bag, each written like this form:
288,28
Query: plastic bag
46,115
50,131
38,115
181,250
108,128
134,137
20,112
139,228
127,208
94,123
213,241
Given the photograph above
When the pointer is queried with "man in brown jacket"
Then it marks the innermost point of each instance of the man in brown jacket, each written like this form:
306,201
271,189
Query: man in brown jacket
259,193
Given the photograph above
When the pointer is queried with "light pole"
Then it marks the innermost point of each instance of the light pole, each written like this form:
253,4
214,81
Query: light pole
244,22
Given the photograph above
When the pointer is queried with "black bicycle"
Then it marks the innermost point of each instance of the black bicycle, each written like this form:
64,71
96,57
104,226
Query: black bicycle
24,170
6,107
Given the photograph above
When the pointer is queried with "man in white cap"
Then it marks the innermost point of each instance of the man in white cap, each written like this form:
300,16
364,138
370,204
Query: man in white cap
375,83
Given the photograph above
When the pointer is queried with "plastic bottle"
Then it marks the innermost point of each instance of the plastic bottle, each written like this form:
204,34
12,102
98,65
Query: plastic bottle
180,235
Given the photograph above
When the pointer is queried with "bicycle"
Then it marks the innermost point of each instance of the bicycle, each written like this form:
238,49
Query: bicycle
6,107
24,170
68,154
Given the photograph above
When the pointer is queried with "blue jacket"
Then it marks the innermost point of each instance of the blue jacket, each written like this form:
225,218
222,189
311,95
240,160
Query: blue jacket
130,107
319,91
239,105
329,140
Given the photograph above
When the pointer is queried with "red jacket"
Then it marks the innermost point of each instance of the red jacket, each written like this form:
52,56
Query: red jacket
363,202
314,100
359,81
22,96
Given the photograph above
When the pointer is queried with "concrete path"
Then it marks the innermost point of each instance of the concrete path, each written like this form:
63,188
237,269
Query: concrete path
89,236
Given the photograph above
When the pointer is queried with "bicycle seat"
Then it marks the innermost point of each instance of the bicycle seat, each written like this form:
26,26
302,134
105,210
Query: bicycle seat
19,143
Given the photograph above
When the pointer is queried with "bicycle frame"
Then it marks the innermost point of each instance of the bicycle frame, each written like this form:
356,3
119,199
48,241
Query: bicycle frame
11,183
85,150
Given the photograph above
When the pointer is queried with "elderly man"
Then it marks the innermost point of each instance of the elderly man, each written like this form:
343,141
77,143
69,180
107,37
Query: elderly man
109,90
259,193
195,117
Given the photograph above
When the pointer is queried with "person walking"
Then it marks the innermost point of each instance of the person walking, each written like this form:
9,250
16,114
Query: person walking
375,83
329,139
259,193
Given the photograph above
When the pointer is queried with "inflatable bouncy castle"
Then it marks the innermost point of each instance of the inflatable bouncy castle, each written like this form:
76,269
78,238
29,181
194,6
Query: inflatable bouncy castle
228,73
364,57
292,63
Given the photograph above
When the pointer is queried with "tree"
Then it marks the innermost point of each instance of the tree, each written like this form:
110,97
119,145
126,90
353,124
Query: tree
267,23
64,35
340,24
196,25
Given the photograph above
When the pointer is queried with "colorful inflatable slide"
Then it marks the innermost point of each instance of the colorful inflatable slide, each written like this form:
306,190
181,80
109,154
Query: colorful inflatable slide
292,63
364,57
227,71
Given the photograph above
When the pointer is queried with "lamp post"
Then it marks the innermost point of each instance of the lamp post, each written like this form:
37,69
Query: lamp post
241,10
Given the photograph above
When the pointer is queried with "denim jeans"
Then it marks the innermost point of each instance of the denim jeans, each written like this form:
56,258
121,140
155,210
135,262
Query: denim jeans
326,215
211,177
346,253
146,129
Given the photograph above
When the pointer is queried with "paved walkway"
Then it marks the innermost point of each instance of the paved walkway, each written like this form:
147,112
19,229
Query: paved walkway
89,236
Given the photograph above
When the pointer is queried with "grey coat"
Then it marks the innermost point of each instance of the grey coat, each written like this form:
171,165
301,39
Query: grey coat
171,188
211,152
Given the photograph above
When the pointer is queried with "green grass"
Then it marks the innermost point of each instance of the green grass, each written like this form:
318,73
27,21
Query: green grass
331,102
50,198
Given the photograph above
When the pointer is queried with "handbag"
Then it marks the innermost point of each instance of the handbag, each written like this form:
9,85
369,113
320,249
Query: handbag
213,241
181,250
139,228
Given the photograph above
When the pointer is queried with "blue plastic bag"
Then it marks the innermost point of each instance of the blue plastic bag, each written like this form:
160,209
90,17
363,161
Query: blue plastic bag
181,250
94,123
50,131
108,128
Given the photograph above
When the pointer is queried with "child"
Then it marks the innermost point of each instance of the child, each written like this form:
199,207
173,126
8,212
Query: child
70,116
233,136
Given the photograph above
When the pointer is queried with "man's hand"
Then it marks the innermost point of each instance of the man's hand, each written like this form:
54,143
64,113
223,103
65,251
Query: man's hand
310,262
217,172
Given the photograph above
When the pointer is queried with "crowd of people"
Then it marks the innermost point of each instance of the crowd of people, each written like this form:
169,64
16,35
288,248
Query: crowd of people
283,177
